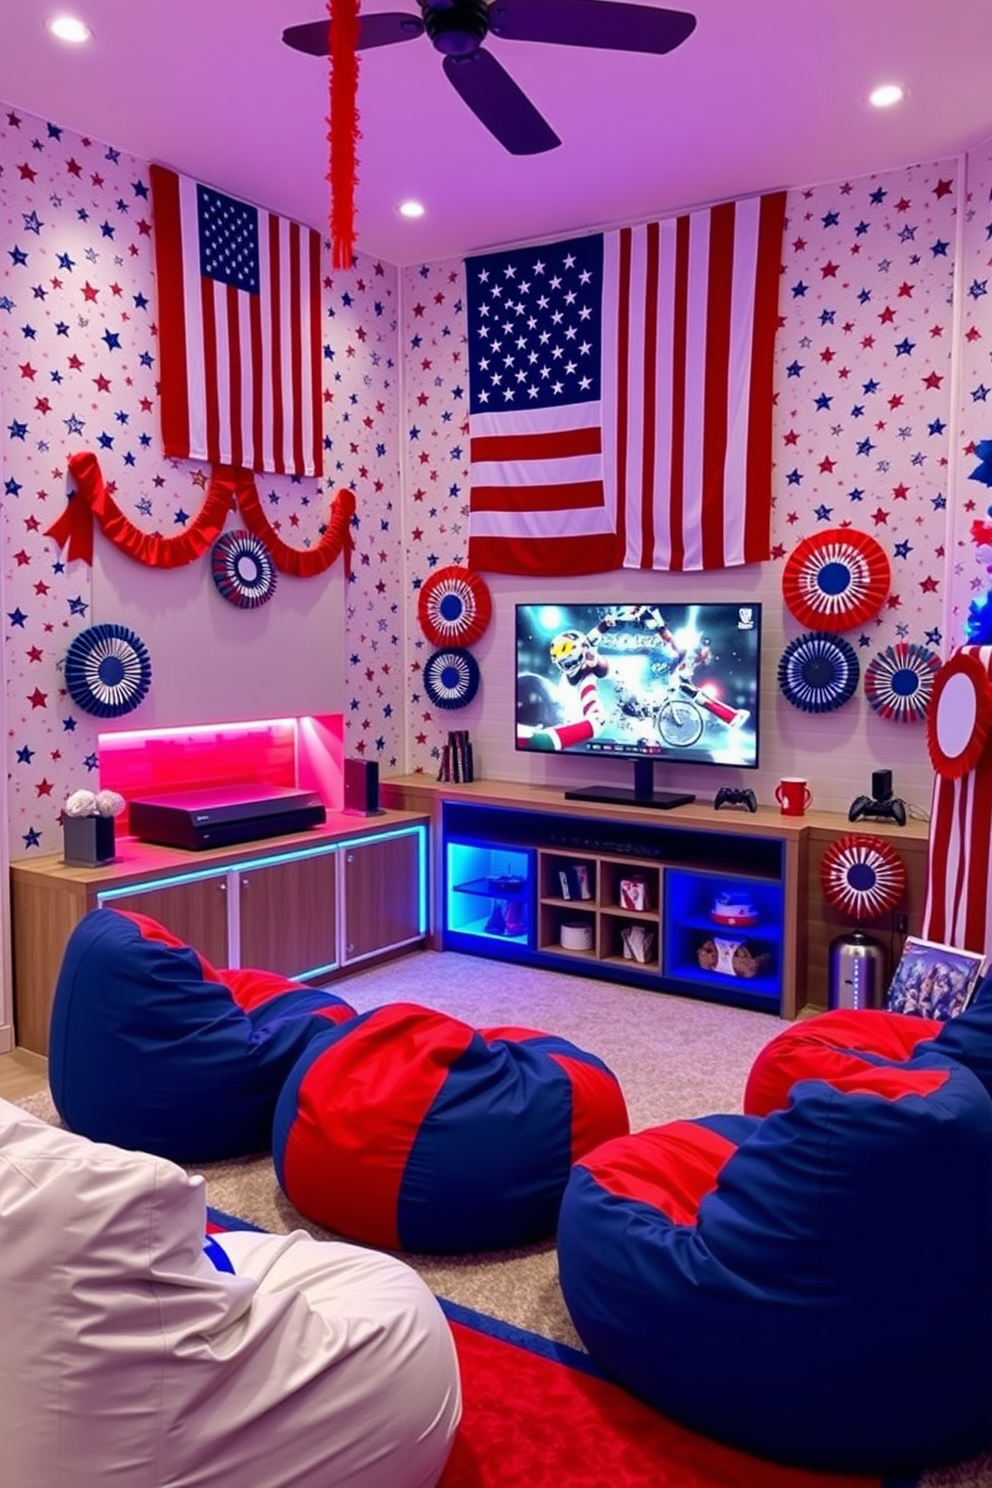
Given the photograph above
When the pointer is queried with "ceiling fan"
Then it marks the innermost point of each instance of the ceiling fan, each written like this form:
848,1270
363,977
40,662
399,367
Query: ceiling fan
457,29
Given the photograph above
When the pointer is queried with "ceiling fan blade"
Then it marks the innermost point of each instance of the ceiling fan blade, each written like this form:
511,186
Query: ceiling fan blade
499,104
610,24
313,37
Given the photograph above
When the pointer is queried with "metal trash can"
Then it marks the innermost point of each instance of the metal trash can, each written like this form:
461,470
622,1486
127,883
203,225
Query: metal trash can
857,971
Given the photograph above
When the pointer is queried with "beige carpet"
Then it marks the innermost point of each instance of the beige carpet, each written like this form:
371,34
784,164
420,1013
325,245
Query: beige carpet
674,1057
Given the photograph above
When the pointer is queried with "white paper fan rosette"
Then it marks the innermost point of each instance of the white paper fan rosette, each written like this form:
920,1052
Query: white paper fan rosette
899,681
242,569
107,670
818,672
451,678
863,877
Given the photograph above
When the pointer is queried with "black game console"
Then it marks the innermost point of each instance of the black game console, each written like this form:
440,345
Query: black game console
732,795
224,815
881,805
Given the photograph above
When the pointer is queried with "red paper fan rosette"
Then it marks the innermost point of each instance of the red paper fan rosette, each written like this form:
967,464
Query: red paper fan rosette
960,714
899,681
454,607
836,580
863,877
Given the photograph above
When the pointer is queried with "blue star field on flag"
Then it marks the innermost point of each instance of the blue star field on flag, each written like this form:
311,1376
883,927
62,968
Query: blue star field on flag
535,325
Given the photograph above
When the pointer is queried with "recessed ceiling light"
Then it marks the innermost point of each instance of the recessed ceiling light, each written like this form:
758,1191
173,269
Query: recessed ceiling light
886,95
411,209
68,28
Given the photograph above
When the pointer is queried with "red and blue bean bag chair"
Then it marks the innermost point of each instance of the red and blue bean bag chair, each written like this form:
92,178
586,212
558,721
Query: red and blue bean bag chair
153,1049
847,1039
410,1130
813,1286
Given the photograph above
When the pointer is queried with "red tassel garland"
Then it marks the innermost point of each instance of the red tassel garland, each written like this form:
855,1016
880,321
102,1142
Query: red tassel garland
343,132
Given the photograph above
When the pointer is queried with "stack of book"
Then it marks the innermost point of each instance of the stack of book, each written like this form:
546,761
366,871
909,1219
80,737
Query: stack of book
456,758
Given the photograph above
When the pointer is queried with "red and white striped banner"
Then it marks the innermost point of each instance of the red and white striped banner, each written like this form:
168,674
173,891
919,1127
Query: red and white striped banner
960,852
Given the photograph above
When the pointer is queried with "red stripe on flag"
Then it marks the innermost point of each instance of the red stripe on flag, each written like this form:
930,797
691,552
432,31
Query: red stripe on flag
555,445
234,373
296,345
623,379
257,378
680,339
581,494
649,382
315,357
757,508
716,384
210,371
171,312
548,556
275,350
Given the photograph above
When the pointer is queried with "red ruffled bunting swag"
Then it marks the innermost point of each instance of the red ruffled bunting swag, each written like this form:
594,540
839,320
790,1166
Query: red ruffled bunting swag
343,132
229,488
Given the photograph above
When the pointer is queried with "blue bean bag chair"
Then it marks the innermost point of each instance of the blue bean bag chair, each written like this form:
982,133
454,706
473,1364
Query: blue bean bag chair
812,1286
407,1129
846,1040
153,1049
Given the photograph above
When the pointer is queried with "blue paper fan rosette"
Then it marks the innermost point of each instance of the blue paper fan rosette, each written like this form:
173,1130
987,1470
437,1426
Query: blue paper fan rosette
451,678
818,672
243,570
454,607
899,681
107,670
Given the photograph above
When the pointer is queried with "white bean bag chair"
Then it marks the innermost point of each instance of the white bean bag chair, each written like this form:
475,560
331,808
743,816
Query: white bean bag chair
127,1357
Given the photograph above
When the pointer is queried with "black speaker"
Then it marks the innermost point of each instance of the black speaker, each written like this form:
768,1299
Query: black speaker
881,785
361,787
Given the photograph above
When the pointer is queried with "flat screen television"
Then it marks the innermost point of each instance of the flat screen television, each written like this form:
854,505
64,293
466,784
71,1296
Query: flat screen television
650,683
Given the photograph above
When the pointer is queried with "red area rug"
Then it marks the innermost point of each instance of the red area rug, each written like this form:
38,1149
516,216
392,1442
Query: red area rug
535,1415
540,1414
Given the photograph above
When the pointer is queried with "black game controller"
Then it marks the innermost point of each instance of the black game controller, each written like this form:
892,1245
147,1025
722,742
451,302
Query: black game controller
891,809
731,795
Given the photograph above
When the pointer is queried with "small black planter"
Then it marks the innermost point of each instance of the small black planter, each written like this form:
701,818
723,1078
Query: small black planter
87,841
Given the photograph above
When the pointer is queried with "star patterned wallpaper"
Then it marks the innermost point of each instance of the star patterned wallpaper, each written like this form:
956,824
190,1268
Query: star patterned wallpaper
880,400
863,379
970,574
79,358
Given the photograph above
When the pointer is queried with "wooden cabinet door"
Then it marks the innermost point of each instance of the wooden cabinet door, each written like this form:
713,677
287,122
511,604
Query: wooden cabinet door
382,894
195,910
288,915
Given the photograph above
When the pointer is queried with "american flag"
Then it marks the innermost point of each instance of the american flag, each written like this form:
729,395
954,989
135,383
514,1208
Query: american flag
621,396
239,330
959,874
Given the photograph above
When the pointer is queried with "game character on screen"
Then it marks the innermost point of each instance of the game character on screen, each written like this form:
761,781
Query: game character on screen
579,657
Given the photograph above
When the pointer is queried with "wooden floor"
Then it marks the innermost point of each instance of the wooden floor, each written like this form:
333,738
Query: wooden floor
21,1074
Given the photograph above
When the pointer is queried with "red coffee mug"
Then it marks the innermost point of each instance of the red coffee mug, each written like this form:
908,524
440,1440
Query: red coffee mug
793,795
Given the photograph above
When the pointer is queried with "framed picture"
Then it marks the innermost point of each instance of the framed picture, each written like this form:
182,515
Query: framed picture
933,980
